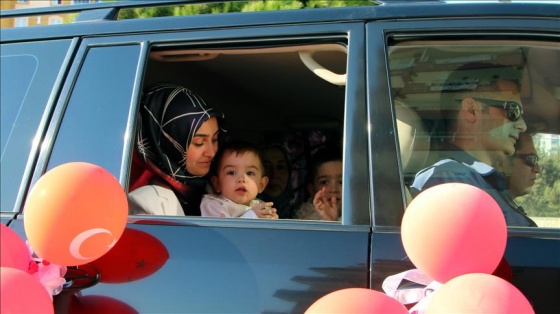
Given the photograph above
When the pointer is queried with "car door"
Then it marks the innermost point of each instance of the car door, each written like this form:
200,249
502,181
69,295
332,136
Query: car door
205,264
417,54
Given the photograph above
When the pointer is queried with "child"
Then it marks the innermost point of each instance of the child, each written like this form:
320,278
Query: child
324,184
238,176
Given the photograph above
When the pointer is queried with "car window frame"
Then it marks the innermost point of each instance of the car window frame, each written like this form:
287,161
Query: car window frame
463,27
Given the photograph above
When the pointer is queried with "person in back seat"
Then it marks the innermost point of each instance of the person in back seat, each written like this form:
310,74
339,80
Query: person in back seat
324,184
279,190
482,108
177,141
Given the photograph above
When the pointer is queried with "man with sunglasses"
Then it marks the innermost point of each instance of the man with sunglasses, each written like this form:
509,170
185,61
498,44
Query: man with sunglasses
522,167
482,115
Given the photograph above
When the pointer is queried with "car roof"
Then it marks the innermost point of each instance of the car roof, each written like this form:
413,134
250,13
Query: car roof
104,15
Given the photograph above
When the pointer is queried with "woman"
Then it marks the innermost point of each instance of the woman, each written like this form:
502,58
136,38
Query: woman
177,141
279,189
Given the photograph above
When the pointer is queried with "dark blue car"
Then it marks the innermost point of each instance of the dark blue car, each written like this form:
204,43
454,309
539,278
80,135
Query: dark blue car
367,77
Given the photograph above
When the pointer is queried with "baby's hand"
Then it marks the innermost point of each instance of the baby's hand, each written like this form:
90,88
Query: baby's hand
327,209
265,210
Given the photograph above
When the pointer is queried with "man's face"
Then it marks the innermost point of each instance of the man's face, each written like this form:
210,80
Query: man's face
522,176
497,133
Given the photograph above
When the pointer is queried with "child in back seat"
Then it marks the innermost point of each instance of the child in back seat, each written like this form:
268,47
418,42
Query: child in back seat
324,185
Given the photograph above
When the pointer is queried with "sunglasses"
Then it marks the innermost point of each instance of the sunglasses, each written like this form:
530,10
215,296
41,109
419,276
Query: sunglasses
513,109
530,160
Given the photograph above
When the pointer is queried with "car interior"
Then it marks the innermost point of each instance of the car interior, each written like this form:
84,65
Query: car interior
290,94
295,92
418,73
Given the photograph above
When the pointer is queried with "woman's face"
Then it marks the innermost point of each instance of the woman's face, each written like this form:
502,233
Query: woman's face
202,148
277,170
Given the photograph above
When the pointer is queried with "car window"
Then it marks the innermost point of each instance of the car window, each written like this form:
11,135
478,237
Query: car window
94,123
28,74
271,97
433,82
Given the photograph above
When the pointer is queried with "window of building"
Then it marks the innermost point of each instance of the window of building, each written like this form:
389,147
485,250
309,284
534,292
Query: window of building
22,21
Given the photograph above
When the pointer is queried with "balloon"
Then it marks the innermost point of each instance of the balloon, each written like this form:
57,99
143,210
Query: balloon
22,293
99,304
135,256
453,229
75,213
478,293
356,300
14,252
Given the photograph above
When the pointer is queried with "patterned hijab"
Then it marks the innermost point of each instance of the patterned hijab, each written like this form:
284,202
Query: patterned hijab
170,115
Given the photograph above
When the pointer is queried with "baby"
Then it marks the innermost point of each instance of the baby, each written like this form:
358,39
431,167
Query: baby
324,185
238,176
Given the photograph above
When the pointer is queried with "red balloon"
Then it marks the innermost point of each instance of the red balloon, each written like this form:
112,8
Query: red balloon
14,252
135,256
94,304
453,229
22,293
75,213
478,293
356,300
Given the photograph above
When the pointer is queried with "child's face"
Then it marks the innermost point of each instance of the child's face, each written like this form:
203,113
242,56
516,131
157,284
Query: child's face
240,177
329,175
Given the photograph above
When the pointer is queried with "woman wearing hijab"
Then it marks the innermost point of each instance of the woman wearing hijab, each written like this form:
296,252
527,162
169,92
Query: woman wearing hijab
177,140
279,190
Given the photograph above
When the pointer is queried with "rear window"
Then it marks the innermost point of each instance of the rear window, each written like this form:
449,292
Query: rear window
28,73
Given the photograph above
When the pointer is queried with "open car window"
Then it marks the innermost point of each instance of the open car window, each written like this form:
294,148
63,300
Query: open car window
292,94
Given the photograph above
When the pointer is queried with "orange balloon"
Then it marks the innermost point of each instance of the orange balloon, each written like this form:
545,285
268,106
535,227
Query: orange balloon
75,213
478,293
454,229
356,301
22,293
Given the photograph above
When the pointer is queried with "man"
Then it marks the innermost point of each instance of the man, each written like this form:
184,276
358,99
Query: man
523,167
481,107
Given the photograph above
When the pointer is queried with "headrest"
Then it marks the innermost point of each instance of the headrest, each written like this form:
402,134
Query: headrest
414,140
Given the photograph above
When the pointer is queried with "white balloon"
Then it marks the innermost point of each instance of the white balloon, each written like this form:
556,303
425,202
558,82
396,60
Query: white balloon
78,240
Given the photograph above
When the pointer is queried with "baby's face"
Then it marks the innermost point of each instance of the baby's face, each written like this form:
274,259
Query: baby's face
329,175
240,177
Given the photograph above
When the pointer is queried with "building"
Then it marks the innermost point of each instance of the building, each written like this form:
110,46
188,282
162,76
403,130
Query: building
39,19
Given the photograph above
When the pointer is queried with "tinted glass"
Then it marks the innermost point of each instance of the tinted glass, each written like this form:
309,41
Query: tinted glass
93,127
512,88
28,73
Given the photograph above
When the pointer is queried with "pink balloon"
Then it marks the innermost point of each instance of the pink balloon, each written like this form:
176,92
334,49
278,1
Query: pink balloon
13,250
478,293
356,300
75,213
453,229
22,293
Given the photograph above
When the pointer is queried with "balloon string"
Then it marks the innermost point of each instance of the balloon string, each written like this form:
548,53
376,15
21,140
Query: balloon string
50,275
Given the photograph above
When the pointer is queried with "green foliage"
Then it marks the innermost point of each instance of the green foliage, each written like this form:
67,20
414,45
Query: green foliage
239,6
544,199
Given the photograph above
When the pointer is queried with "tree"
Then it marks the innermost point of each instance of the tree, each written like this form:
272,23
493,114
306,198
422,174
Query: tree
245,6
544,199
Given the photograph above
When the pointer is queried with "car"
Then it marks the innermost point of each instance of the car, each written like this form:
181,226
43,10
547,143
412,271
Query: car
367,77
